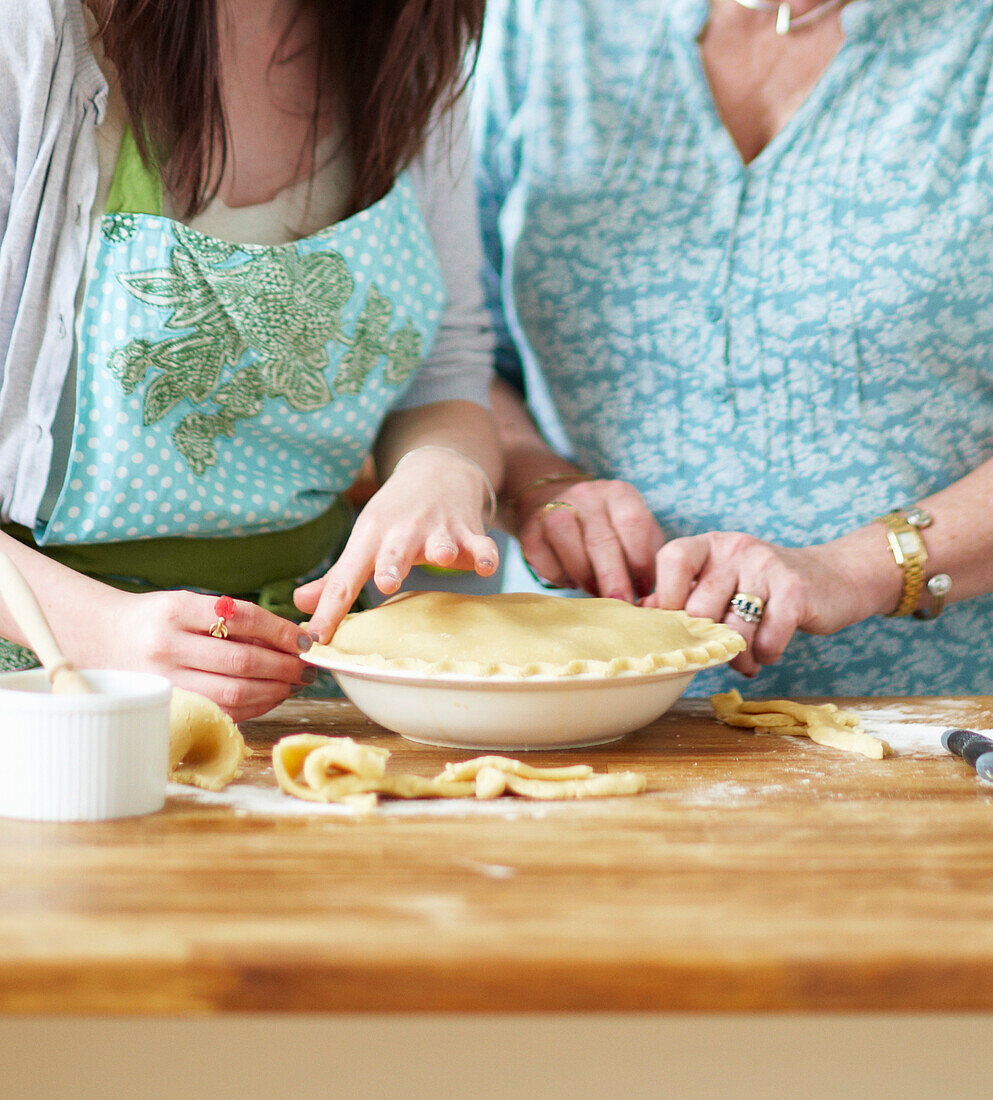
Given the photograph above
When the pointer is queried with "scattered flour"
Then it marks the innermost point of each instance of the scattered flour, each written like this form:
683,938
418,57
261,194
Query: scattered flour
248,799
727,793
488,870
907,732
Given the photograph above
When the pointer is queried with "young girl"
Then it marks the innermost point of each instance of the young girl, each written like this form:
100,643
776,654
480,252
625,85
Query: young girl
237,254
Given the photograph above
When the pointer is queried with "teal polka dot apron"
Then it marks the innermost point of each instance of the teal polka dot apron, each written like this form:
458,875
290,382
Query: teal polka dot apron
235,389
229,393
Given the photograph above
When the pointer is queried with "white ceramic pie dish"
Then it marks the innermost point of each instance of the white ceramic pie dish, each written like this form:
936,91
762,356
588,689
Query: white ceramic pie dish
510,714
515,671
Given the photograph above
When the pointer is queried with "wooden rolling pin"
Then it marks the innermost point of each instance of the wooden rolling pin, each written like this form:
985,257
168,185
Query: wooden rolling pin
20,600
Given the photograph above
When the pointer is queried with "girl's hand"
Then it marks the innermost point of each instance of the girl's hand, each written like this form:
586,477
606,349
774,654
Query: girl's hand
254,668
817,589
595,535
429,512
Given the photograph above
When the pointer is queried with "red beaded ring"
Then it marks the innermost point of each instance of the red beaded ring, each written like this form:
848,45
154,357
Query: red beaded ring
223,609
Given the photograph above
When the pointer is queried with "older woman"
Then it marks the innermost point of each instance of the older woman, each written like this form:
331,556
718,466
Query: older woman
236,253
740,251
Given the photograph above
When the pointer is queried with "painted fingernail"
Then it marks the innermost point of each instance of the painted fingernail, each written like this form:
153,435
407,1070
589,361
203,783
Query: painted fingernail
309,675
304,642
487,563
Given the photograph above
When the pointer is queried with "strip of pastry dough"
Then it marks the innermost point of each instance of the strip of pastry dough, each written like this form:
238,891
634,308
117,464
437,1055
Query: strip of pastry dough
469,769
342,754
824,723
493,782
338,769
802,712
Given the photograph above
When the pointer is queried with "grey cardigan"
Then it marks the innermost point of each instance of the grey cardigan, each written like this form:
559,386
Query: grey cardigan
53,96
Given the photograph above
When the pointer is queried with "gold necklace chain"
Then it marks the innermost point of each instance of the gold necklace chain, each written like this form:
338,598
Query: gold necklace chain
784,14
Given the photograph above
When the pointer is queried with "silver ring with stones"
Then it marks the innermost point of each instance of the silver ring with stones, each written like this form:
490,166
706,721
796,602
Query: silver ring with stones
747,607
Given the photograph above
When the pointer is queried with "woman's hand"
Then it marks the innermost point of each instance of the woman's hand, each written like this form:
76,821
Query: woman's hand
254,668
428,512
817,589
595,535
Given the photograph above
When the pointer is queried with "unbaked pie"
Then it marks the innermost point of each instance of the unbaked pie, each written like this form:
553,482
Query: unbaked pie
520,635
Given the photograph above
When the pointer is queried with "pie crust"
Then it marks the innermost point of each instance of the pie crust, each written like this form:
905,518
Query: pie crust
523,635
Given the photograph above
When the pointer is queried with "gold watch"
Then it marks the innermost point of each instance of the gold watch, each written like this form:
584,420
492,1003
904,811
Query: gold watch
903,532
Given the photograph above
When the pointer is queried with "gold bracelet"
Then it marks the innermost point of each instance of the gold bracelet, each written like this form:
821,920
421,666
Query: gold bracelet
548,479
938,586
903,533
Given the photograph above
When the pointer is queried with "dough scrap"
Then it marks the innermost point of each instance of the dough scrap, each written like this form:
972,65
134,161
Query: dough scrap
824,724
337,769
492,782
470,769
340,755
206,748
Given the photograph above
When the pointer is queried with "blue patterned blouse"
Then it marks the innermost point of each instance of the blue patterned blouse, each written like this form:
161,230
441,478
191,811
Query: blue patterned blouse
789,348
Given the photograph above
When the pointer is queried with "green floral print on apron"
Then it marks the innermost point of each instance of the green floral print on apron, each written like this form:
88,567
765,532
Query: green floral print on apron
231,392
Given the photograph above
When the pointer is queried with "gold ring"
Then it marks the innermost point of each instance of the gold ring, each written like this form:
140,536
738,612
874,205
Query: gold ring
747,607
553,504
223,609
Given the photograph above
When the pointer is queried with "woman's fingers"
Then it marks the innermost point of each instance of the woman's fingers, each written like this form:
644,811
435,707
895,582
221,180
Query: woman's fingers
251,623
745,662
247,673
562,531
483,553
464,550
427,512
598,536
711,595
240,699
640,536
339,588
679,565
704,574
388,561
241,660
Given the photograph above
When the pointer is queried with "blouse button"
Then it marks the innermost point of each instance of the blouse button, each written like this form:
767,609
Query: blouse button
714,313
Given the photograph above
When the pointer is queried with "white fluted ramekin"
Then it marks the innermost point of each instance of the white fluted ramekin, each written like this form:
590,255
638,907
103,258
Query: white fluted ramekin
83,757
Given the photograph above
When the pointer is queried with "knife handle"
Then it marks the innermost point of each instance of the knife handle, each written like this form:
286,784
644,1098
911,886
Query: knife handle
968,744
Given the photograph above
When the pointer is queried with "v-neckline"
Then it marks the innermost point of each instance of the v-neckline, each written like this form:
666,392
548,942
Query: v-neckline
811,104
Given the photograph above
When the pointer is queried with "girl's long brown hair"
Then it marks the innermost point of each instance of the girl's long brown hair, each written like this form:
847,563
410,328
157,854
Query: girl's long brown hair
388,63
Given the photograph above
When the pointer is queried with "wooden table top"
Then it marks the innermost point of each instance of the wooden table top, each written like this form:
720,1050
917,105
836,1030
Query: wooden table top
757,872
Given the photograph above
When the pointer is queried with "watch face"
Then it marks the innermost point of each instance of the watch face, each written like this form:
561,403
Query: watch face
909,543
